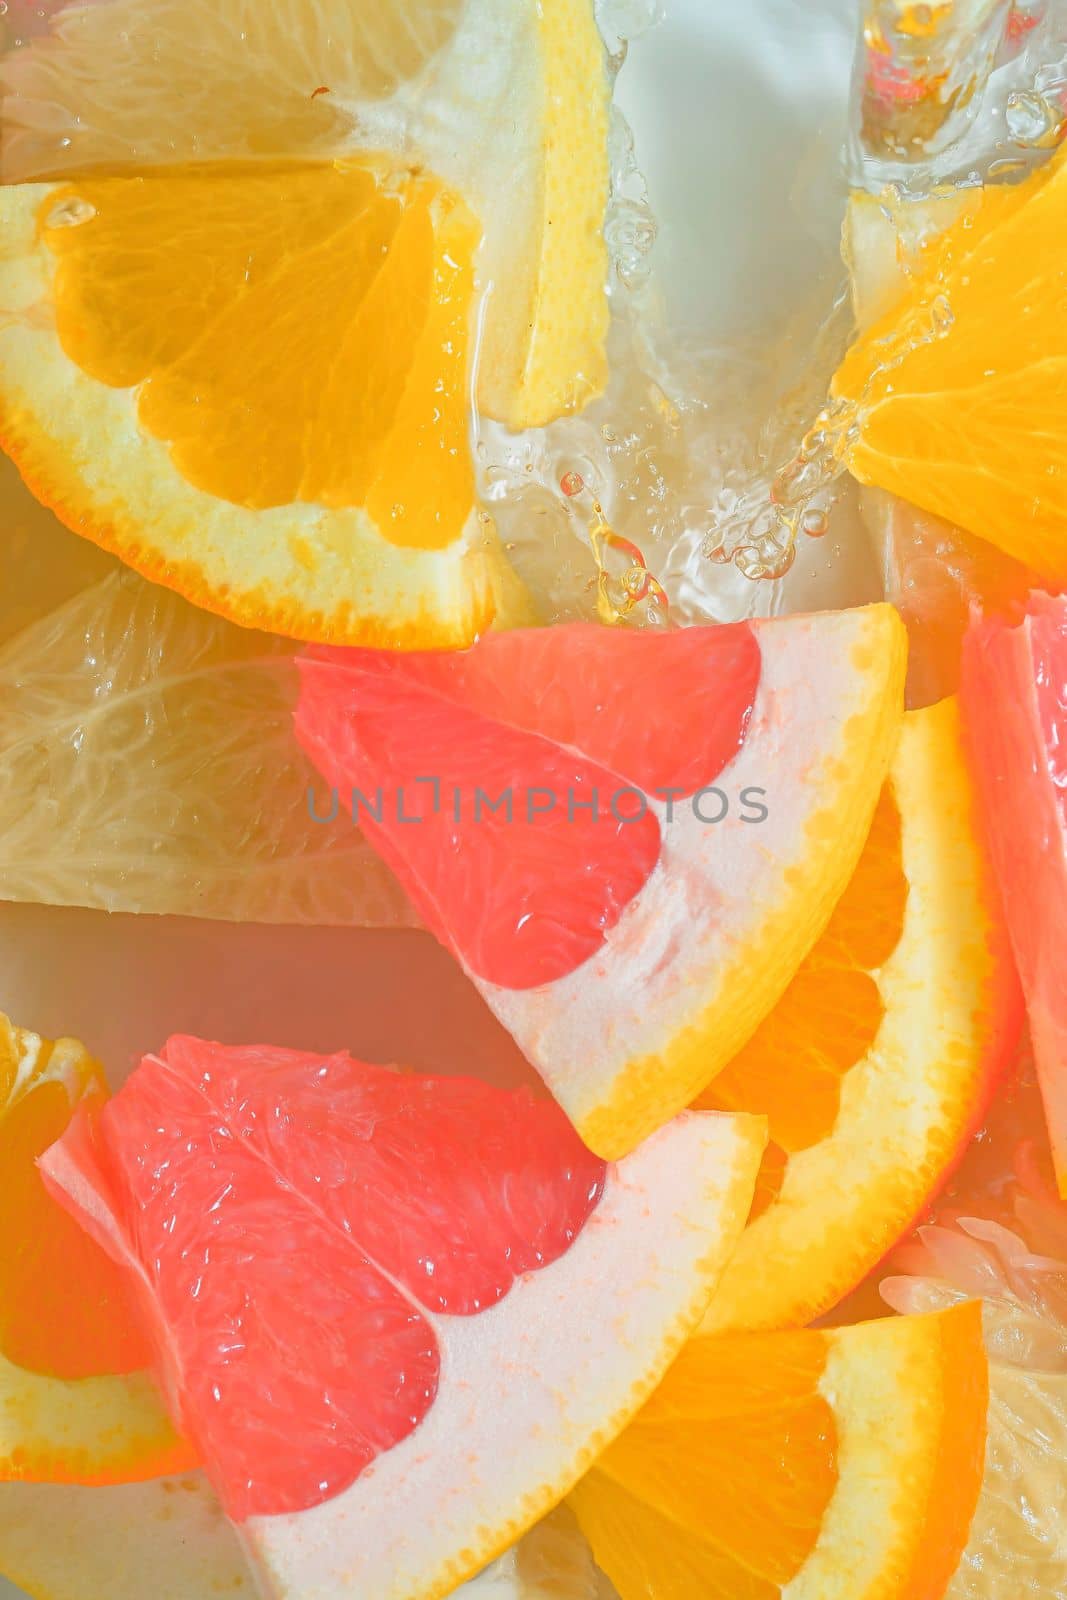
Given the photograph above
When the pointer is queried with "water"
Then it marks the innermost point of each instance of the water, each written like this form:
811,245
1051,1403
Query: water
723,340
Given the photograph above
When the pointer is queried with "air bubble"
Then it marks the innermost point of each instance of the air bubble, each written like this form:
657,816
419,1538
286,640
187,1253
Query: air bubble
572,483
70,213
1032,120
815,522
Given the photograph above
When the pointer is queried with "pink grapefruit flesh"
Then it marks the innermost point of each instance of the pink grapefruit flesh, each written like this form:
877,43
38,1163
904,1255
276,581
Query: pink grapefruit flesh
358,1278
1015,702
533,833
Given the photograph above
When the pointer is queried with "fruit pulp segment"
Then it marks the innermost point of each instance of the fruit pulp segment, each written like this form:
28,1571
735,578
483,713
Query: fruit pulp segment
945,390
827,1020
64,1308
296,333
739,1521
301,1222
533,764
1015,702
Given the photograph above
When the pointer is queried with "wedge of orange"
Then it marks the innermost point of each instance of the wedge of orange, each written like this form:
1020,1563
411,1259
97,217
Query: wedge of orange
877,1065
240,318
76,1405
956,399
840,1465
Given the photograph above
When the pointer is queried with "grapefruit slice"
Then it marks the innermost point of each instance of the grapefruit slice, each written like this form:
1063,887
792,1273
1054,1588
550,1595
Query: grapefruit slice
838,1465
75,1403
675,817
240,317
1016,718
360,1279
877,1065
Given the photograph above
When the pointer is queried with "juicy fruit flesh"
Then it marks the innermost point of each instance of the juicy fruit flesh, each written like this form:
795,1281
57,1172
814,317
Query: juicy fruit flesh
570,723
737,1437
330,1211
295,333
64,1308
1015,701
948,386
833,1004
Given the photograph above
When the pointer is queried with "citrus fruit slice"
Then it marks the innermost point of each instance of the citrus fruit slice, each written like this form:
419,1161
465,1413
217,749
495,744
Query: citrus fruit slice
169,1538
1015,1267
955,398
839,1465
238,335
629,839
74,1402
148,764
934,573
1016,719
354,1274
877,1065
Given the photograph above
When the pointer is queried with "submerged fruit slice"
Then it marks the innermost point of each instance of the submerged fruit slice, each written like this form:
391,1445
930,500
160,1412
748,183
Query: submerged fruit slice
1015,707
838,1465
170,1539
947,386
238,351
73,1404
1013,1259
934,573
630,840
877,1065
148,764
353,1273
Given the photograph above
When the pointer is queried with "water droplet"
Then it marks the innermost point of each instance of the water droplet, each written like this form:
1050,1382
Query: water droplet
572,483
3,8
1031,119
608,434
815,522
70,213
398,511
942,316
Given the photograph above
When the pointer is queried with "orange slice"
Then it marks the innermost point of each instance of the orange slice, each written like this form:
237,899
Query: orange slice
878,1063
957,396
238,350
381,1302
74,1404
838,1465
629,839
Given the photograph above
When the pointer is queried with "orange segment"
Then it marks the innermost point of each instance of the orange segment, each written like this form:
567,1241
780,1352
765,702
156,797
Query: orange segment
959,392
72,1407
42,1251
876,1065
254,301
837,1465
828,1019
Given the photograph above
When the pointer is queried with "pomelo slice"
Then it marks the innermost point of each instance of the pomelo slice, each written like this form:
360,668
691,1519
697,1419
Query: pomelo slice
398,1315
75,1403
878,1063
1016,718
630,919
816,1465
238,337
